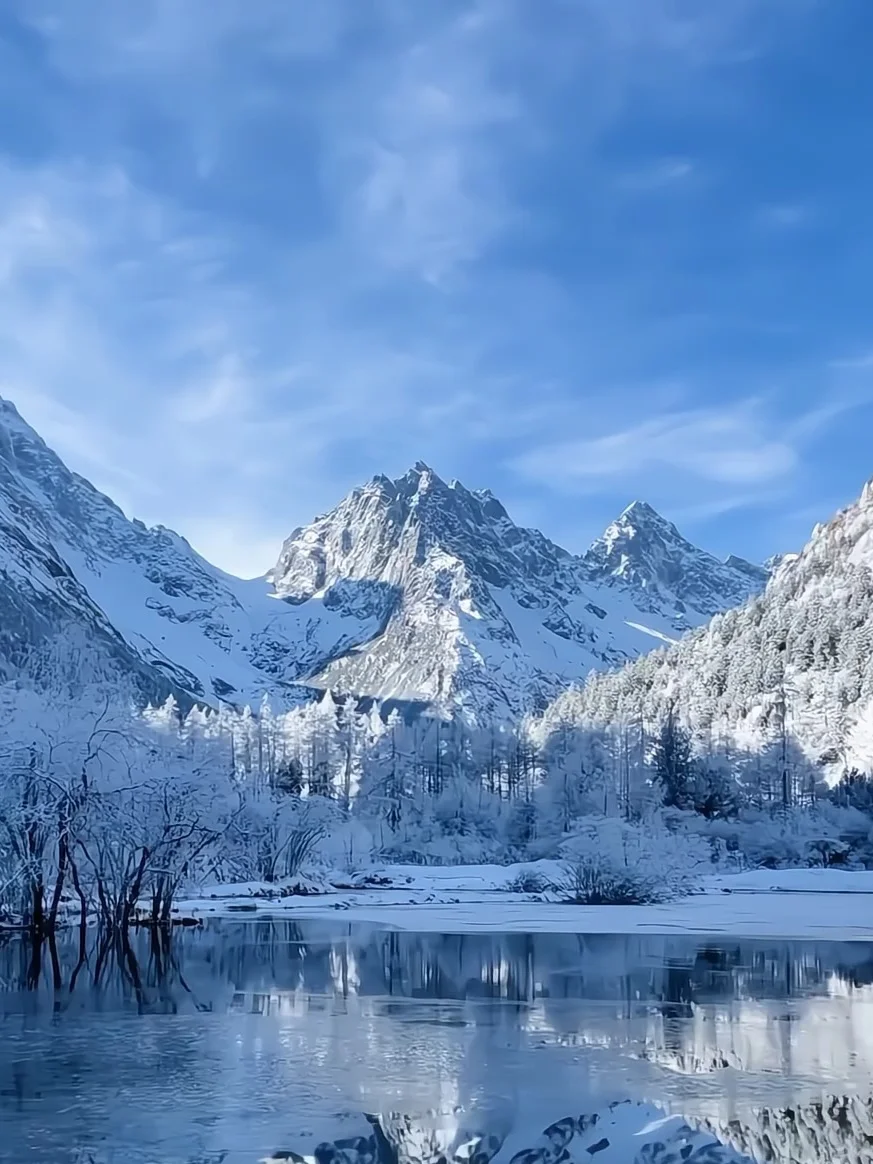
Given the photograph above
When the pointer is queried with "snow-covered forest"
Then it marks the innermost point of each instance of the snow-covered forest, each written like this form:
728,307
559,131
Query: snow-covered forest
748,743
793,662
107,811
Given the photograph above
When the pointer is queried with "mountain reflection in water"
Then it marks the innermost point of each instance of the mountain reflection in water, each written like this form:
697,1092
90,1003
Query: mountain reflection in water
247,1038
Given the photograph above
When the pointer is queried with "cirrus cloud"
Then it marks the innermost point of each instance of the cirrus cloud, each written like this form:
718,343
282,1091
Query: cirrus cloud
729,446
251,253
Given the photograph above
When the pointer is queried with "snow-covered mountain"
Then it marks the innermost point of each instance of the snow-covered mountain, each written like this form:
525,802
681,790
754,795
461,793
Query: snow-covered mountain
478,612
412,589
797,656
83,584
646,555
831,1130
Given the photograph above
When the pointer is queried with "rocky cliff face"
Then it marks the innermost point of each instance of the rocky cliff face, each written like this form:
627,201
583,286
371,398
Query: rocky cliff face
477,611
829,1131
411,589
81,586
645,555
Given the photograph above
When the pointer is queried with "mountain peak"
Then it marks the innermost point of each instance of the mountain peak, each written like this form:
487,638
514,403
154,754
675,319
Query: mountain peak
641,510
13,423
419,475
644,552
419,479
760,574
640,516
413,588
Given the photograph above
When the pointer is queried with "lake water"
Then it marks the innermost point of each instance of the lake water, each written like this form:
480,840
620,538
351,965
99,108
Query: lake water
248,1037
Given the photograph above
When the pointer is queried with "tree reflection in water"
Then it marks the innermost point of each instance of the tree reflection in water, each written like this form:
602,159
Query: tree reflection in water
685,1009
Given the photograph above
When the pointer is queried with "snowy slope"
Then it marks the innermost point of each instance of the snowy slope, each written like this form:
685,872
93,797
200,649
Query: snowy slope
73,569
480,613
411,589
646,555
832,1130
803,645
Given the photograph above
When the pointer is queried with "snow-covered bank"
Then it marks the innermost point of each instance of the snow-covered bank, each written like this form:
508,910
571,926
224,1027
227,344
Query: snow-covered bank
793,903
795,881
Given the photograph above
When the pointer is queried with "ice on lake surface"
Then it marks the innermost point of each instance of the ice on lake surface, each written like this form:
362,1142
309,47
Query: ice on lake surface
242,1039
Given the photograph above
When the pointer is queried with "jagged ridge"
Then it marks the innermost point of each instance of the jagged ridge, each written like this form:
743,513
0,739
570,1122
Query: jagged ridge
412,589
799,651
479,612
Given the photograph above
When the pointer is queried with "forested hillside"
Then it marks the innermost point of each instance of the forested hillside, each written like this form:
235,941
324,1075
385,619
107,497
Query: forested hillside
791,670
748,742
415,589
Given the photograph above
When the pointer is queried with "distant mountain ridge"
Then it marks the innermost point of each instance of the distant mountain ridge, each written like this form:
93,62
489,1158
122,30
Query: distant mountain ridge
642,551
412,589
792,663
476,611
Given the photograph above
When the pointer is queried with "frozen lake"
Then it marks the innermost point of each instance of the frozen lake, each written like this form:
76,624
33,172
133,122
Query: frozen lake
248,1037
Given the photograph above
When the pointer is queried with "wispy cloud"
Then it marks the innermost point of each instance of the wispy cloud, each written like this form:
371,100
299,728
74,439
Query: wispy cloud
861,362
785,215
416,166
252,252
223,395
733,446
690,515
660,175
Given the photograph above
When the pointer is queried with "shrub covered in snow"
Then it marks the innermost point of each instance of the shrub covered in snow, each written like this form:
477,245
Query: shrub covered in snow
821,836
612,862
347,847
530,880
596,879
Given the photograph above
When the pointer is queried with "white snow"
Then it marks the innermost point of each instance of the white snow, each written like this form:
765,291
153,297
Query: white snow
176,628
808,881
793,903
670,640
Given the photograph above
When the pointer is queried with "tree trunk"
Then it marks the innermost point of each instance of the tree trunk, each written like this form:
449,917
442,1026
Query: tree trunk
37,908
63,854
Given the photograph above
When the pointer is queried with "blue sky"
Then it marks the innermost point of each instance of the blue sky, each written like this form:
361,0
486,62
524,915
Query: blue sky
577,251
